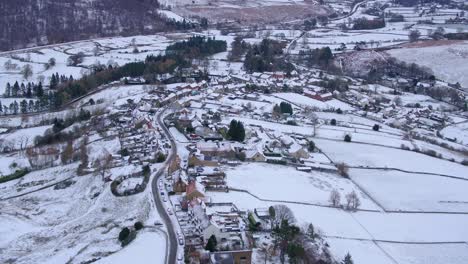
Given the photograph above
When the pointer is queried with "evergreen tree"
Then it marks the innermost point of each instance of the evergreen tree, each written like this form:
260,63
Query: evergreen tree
283,234
29,91
211,244
8,90
15,89
24,107
53,82
295,252
236,131
22,89
37,106
31,106
347,259
286,108
40,90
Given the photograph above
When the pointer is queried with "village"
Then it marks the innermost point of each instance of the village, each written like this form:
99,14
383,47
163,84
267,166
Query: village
312,142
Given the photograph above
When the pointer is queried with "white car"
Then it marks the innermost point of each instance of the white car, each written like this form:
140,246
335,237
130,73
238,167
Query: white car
180,257
169,211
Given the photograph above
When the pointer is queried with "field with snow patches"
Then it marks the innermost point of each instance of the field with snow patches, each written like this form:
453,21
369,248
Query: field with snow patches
276,182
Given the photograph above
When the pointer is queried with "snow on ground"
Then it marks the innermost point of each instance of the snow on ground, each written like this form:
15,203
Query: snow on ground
360,135
110,50
7,161
36,179
447,61
179,137
115,93
306,101
296,186
458,132
330,221
427,253
98,149
362,155
304,130
22,138
396,190
75,224
365,225
361,251
147,246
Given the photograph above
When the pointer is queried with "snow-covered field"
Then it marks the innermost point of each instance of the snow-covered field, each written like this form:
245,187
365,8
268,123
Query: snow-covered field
447,61
413,192
22,138
306,101
458,132
61,225
363,155
276,182
105,51
147,246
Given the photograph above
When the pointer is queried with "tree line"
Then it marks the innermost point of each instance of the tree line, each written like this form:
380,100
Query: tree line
28,90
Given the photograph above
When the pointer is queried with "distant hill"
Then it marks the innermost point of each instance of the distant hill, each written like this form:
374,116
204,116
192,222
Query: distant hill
26,23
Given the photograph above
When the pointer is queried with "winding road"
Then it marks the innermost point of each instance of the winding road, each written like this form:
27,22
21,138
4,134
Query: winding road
171,255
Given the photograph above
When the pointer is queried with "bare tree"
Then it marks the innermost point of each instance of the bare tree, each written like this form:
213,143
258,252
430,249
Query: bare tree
266,252
414,35
352,201
10,65
67,153
27,71
96,50
398,101
342,169
314,119
335,198
282,212
102,165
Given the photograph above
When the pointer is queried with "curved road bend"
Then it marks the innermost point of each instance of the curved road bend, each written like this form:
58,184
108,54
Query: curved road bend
173,244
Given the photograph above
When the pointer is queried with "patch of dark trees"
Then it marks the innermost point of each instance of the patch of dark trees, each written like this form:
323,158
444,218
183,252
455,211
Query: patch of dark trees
40,22
266,57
